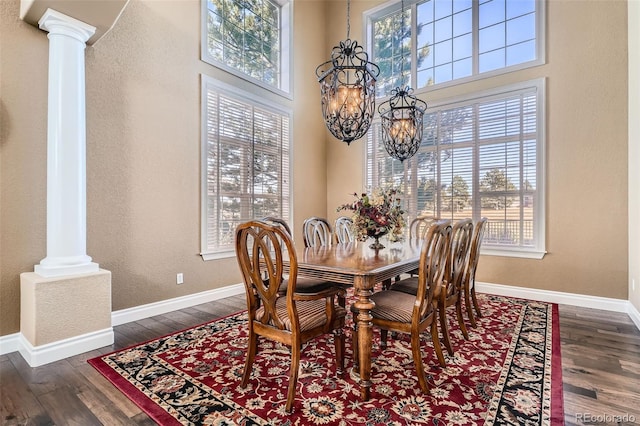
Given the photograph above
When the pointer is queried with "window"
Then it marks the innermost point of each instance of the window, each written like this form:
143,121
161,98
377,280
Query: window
249,38
480,157
246,146
444,40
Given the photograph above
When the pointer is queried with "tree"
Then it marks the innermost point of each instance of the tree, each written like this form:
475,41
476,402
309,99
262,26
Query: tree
427,195
457,196
392,42
246,35
495,181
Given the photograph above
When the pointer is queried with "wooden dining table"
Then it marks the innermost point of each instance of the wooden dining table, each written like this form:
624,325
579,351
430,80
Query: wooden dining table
362,267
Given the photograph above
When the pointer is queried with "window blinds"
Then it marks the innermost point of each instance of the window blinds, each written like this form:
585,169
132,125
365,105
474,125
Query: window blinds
478,158
247,164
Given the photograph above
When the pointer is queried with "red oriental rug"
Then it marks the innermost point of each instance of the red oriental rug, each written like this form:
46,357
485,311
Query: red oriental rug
508,372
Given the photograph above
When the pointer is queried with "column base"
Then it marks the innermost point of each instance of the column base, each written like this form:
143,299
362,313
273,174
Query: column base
58,267
71,312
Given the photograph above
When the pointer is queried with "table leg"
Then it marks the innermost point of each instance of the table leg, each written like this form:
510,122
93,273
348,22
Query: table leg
364,304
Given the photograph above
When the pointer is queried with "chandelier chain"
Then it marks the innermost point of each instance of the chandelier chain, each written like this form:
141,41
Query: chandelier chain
402,41
348,18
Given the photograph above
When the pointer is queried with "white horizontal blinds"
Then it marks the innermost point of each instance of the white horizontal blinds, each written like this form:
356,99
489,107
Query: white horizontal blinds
212,166
382,170
477,159
507,169
247,165
425,166
456,148
270,164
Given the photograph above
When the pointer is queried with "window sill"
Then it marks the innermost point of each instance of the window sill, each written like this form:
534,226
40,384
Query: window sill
521,253
217,256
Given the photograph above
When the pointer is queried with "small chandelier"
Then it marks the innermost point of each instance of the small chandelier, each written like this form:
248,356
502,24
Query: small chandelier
402,118
348,89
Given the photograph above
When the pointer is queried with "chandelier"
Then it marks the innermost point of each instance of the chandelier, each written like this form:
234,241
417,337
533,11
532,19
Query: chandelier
348,89
401,118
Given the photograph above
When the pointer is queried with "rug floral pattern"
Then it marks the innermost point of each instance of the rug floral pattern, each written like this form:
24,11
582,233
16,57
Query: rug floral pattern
501,375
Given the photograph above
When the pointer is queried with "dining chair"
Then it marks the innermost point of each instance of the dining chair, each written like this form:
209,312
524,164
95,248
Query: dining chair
316,232
451,290
280,221
344,230
291,318
469,284
304,284
419,225
401,312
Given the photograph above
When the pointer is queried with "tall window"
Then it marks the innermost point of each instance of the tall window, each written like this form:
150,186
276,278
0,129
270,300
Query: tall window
246,175
446,40
249,38
480,157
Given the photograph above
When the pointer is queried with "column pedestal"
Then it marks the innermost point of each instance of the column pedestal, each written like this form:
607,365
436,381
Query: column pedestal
64,316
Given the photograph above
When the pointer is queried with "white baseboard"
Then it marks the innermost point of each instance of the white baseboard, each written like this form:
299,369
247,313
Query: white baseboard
9,343
634,315
604,303
36,356
58,350
44,354
124,316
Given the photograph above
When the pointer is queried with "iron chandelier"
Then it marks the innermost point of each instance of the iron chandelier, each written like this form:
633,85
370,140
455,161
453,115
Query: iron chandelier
402,118
348,89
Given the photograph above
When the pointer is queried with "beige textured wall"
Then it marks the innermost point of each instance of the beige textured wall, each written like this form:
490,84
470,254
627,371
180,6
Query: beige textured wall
586,151
143,150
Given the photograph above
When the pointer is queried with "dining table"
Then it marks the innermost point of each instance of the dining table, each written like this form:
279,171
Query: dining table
362,267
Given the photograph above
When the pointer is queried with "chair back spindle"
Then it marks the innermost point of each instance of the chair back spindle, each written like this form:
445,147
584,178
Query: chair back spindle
344,230
316,232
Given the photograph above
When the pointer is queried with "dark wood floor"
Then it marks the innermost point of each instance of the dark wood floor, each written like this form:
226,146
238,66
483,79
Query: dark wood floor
600,358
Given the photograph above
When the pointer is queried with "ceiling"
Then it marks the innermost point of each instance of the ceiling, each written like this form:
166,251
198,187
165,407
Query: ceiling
102,14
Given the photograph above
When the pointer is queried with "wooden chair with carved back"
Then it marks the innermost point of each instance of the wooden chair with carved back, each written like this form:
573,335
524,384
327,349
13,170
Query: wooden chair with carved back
412,314
469,285
451,292
290,318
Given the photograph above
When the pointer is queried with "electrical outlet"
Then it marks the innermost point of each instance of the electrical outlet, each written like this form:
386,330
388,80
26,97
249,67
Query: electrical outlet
179,278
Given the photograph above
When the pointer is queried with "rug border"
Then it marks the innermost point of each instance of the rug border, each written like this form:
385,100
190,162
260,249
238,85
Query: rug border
161,416
146,404
557,394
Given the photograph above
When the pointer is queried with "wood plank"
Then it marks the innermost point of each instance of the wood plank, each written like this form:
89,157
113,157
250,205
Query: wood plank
64,407
18,404
600,358
111,394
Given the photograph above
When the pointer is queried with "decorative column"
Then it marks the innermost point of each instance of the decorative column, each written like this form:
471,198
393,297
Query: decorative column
66,148
65,305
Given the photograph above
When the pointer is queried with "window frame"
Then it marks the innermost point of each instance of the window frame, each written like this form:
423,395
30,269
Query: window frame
392,6
539,85
210,83
285,86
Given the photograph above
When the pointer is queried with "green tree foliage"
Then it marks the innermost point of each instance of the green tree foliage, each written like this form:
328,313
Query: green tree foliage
456,196
427,196
495,181
392,42
245,34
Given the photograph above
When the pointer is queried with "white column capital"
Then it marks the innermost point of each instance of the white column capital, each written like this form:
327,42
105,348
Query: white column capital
58,23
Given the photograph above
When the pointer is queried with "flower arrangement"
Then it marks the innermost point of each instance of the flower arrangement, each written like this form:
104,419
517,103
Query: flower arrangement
376,214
